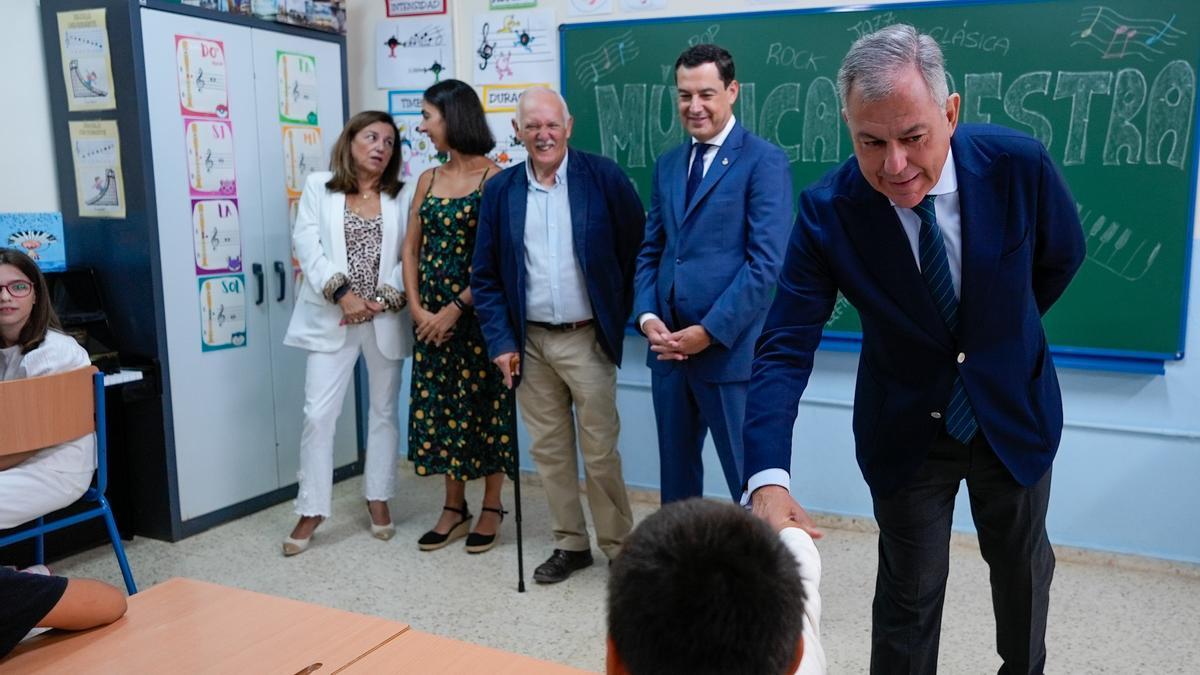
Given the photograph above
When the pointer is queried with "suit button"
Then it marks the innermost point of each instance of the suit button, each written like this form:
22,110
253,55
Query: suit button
679,261
961,357
936,415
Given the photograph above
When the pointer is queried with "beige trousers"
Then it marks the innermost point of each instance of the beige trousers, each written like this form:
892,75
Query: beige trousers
568,389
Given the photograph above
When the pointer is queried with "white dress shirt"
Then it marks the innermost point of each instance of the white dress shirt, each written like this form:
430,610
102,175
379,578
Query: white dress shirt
949,220
554,287
714,145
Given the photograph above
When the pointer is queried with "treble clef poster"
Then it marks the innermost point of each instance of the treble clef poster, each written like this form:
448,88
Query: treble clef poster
96,153
86,60
200,65
222,312
216,233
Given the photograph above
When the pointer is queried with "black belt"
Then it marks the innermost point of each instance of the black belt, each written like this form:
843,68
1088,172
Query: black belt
562,327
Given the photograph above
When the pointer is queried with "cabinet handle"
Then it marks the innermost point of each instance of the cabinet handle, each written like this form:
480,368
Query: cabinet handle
282,281
257,270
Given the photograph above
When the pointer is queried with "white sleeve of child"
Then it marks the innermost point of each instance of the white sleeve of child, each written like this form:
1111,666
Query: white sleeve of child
808,561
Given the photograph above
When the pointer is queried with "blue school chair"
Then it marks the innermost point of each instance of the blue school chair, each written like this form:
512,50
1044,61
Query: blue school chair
44,411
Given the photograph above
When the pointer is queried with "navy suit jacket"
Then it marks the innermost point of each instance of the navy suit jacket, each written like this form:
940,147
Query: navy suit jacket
607,222
720,255
1022,244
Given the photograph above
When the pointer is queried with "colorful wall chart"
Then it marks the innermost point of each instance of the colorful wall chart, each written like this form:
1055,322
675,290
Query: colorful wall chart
297,88
86,60
509,150
96,154
222,312
210,159
39,235
417,152
201,68
413,53
217,235
204,111
511,47
303,151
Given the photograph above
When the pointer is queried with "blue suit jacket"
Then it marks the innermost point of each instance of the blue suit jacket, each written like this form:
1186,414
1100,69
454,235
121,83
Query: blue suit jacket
607,222
721,254
1022,243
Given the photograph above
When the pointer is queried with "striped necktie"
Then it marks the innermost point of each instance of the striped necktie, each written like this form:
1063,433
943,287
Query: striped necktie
935,268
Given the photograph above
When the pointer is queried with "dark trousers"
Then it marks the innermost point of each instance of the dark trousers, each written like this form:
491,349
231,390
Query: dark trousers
686,409
914,559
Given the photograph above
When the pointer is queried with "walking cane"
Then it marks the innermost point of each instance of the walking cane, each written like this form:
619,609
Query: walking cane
515,369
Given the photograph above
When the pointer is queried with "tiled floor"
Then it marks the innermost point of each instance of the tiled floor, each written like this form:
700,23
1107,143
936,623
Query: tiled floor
1103,618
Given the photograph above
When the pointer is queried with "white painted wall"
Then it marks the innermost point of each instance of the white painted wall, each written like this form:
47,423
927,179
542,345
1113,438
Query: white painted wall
28,181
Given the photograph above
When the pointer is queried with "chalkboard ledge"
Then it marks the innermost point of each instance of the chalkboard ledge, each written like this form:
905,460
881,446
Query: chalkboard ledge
1063,357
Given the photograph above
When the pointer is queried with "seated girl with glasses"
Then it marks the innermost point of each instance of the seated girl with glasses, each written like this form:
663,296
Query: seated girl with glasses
33,484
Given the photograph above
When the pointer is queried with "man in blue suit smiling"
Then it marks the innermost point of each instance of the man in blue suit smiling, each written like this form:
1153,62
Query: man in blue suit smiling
720,211
951,242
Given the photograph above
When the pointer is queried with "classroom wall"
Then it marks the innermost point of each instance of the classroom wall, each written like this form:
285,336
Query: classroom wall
27,172
1130,456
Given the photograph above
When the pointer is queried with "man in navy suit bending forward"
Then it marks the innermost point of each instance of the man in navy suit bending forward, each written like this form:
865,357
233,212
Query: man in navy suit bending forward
720,211
951,242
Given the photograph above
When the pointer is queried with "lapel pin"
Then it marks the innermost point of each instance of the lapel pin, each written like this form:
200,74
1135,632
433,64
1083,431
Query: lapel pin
724,161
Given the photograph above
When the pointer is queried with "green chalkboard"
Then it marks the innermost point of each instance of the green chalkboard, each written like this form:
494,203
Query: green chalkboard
1109,88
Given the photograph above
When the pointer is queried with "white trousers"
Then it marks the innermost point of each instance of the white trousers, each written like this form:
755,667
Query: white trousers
28,491
326,379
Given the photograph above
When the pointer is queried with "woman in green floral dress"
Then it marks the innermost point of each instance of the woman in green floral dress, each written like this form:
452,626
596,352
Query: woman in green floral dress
461,421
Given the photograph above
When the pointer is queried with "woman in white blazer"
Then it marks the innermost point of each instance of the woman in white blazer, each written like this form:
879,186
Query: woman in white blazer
347,238
35,483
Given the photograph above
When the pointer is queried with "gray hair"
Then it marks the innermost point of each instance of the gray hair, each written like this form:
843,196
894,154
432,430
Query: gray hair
873,61
542,90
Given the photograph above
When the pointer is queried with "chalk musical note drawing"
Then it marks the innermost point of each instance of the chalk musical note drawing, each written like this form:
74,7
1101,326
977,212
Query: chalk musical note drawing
524,40
611,55
200,65
216,236
1111,246
210,158
1116,36
297,75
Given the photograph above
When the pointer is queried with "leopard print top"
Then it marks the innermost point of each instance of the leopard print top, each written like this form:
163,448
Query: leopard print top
364,245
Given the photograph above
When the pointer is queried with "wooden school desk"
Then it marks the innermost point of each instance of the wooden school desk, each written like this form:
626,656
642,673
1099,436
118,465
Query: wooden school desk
187,626
417,652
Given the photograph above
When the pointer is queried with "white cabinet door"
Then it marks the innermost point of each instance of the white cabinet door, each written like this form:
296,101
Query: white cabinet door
221,400
298,81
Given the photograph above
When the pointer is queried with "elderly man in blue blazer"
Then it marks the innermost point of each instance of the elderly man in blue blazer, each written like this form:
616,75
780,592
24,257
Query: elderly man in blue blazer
951,242
552,282
720,211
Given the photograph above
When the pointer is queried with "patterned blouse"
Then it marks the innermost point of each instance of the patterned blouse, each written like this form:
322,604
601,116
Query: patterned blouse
364,245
